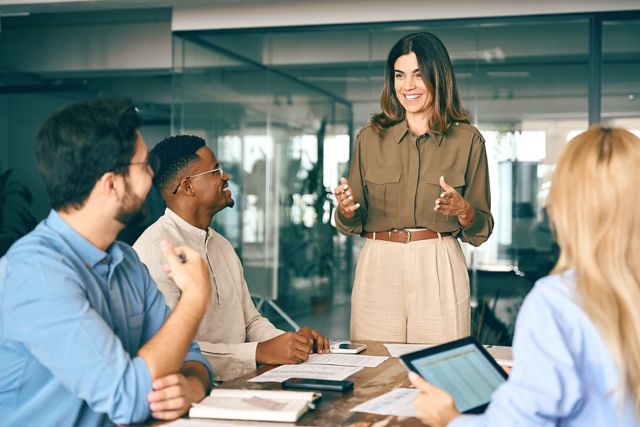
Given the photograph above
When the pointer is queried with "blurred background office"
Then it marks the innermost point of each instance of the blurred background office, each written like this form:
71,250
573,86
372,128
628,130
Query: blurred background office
279,88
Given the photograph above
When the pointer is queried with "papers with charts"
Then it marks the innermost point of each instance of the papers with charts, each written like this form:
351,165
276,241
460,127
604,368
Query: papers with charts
306,370
398,402
346,360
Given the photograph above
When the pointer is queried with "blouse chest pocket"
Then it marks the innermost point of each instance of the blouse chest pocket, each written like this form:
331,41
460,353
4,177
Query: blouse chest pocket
454,179
382,191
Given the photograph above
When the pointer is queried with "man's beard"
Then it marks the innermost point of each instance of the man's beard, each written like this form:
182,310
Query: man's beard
132,210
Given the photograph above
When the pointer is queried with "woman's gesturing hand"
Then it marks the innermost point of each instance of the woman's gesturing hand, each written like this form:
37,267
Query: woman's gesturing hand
345,200
452,203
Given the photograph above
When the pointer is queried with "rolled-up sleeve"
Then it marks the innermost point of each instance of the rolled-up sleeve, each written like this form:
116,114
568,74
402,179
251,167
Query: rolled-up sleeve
351,226
478,194
59,327
156,312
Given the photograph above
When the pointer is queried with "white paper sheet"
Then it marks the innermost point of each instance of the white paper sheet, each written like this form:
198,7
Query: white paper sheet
397,350
398,402
346,360
306,370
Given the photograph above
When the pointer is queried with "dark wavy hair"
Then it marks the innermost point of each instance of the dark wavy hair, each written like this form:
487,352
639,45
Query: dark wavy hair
80,143
435,67
173,154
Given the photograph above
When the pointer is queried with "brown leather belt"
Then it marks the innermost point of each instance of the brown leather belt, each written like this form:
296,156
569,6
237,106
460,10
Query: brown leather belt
403,236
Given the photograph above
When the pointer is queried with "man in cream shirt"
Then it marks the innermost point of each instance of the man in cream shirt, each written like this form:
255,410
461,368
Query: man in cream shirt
233,335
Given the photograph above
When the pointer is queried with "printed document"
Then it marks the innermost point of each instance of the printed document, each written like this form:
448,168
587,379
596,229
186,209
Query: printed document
398,402
306,370
346,360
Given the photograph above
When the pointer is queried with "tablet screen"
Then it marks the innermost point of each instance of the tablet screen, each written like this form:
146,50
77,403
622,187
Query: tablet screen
464,372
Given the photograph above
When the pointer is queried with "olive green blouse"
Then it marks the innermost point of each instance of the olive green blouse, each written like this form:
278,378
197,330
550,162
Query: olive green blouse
395,178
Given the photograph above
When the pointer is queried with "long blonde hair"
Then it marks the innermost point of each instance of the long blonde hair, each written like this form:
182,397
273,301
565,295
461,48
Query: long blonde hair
594,205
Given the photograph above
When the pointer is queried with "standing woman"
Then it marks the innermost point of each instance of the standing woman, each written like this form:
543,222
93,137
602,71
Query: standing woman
418,182
577,343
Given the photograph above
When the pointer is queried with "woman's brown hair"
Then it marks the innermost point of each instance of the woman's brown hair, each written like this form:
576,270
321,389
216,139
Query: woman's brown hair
435,67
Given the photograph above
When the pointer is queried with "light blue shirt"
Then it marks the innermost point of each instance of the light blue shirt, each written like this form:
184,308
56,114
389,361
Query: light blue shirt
563,373
72,319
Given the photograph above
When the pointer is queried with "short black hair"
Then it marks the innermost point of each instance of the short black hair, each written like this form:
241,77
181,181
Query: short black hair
172,155
80,143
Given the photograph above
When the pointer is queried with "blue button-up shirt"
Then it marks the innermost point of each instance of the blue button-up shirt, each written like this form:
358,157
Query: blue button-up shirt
563,374
72,319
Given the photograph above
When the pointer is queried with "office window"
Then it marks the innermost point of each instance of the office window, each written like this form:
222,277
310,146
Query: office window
621,73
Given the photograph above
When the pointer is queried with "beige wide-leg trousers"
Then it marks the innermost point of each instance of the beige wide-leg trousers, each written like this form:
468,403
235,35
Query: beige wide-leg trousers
415,293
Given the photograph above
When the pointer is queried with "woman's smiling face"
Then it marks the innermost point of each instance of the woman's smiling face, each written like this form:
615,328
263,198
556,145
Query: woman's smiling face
410,89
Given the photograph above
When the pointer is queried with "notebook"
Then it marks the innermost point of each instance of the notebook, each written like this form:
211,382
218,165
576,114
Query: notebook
257,405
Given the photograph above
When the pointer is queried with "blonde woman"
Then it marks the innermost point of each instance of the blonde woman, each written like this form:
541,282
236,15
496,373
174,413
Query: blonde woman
577,343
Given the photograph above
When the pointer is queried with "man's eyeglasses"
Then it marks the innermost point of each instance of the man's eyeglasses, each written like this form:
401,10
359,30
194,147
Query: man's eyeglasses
150,163
217,169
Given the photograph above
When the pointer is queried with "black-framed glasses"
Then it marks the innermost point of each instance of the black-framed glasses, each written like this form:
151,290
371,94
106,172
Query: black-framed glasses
151,163
214,170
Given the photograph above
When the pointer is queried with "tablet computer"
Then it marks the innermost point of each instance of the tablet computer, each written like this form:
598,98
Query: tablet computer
463,368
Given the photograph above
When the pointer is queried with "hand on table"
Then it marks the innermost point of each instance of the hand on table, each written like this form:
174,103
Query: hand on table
345,200
434,407
287,348
173,395
320,343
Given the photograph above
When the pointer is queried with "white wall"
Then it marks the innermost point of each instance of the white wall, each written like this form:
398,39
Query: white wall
87,48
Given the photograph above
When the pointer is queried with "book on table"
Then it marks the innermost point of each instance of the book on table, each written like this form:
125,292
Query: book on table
259,405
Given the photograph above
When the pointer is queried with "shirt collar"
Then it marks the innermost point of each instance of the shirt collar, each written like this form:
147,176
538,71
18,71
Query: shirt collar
192,232
90,255
398,131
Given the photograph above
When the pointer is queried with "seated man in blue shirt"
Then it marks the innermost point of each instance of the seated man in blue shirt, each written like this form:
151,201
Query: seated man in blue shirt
85,336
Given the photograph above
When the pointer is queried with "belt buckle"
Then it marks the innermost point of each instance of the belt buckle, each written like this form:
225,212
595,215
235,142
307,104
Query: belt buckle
401,231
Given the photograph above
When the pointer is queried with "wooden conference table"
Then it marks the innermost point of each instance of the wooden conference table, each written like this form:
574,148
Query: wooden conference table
334,407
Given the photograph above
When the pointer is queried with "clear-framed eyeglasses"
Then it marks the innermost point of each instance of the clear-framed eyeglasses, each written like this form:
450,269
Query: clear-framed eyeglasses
214,170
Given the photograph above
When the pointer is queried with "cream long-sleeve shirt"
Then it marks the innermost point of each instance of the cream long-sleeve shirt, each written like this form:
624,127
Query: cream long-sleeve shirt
232,327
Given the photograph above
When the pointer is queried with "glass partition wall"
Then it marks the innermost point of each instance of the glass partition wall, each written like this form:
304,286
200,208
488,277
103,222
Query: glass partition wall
280,107
284,142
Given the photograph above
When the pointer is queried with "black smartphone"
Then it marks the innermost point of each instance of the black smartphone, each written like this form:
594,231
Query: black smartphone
315,384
